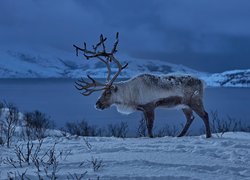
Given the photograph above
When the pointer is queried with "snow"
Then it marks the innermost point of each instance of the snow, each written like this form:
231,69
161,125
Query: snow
190,157
52,63
233,78
26,63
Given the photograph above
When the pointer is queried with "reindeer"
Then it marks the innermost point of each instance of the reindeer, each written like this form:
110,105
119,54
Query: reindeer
144,92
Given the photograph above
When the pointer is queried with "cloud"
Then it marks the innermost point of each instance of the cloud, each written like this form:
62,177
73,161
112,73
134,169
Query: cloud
146,27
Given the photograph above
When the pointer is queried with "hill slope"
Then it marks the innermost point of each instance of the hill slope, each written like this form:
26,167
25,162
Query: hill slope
56,64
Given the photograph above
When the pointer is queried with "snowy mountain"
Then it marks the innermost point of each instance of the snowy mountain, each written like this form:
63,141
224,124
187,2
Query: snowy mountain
234,78
24,63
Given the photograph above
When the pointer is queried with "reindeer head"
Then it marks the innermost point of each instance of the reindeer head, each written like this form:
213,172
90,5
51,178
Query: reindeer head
105,100
88,87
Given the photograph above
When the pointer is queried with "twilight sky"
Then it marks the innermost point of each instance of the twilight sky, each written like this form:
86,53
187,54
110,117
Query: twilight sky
207,35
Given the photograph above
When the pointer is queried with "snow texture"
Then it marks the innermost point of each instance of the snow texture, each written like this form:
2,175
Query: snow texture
193,157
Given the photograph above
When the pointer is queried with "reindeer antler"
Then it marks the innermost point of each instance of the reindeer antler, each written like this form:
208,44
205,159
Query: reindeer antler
89,87
120,68
99,52
95,53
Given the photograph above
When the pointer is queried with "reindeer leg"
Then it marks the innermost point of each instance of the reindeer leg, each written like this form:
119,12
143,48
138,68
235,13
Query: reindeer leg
149,117
189,116
148,111
198,107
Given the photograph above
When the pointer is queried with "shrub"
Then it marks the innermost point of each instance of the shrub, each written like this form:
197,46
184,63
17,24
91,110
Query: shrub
167,131
118,130
1,106
221,125
141,130
36,123
82,128
8,123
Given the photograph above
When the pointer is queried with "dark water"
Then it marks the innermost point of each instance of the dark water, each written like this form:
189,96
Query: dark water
62,102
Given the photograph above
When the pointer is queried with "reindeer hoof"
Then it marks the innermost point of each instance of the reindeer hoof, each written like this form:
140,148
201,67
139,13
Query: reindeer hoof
208,136
181,134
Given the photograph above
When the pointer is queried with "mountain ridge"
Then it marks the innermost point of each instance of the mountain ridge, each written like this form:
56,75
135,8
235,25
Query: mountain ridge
28,64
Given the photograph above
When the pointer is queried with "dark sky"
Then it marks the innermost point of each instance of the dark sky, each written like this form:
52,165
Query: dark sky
208,35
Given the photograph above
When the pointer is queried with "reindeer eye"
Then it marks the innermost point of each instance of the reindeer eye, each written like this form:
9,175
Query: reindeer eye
114,88
108,92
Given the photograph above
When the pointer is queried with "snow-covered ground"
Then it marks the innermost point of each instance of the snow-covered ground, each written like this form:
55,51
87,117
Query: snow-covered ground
190,157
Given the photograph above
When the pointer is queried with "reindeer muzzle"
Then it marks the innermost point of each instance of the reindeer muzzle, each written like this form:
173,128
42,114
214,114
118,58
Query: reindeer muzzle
100,106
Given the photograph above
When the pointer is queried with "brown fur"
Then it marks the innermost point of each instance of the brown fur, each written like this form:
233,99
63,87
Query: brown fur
192,105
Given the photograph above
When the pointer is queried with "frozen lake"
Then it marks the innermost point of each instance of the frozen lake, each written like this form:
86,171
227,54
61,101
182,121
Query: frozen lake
59,99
